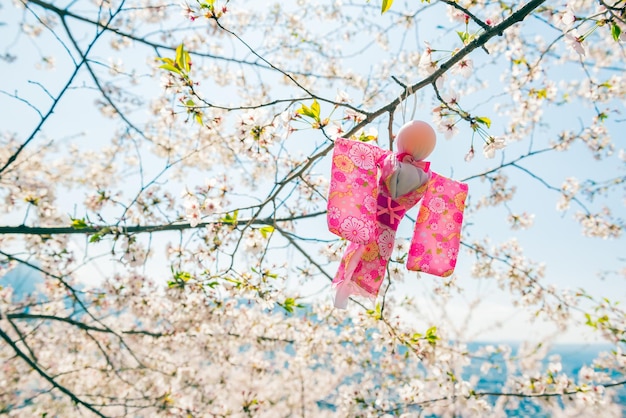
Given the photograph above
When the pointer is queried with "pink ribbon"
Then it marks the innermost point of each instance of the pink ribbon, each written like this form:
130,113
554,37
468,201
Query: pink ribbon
405,157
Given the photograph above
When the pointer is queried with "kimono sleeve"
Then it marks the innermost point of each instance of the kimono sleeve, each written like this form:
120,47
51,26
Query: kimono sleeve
353,193
437,235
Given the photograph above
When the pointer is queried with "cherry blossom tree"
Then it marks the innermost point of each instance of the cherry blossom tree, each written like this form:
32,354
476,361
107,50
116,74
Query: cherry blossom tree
164,171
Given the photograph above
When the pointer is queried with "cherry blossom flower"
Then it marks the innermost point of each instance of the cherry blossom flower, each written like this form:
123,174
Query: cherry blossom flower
464,68
187,11
334,130
192,210
353,115
343,97
427,65
449,127
564,20
451,97
521,221
470,154
575,42
493,144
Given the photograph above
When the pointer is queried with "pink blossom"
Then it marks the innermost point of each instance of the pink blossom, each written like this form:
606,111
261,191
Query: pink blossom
492,145
564,20
334,131
575,42
464,68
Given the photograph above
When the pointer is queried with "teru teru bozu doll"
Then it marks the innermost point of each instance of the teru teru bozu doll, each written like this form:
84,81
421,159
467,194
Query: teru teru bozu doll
370,191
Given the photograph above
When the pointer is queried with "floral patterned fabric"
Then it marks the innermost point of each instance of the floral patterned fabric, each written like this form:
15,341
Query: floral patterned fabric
352,201
361,210
437,235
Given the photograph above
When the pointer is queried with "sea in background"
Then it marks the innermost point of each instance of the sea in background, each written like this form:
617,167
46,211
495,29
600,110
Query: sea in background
573,357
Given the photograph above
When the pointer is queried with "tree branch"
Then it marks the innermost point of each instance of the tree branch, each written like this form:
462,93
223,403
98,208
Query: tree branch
82,325
46,376
68,230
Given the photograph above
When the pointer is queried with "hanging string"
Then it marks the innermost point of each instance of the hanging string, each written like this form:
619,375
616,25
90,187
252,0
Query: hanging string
409,90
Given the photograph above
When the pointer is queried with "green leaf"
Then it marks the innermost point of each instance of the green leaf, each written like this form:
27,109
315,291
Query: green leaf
386,5
238,284
209,4
290,304
230,219
179,55
376,313
463,35
312,112
431,335
305,110
187,61
183,276
616,31
266,230
589,321
269,274
167,60
198,118
180,278
366,138
79,223
100,234
182,58
171,68
315,107
484,120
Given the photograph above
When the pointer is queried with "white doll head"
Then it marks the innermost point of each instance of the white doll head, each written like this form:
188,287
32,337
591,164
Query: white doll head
416,138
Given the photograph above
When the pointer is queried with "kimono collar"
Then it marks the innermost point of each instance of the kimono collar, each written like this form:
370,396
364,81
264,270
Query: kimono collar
405,157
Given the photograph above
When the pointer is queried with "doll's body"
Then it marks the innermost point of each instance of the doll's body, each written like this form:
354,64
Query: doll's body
415,141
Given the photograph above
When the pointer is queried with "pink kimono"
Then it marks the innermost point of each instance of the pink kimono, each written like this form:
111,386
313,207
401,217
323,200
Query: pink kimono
361,210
